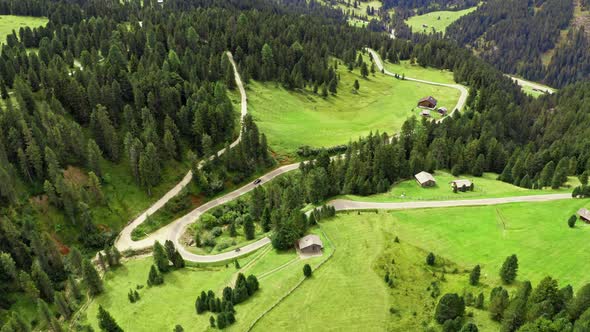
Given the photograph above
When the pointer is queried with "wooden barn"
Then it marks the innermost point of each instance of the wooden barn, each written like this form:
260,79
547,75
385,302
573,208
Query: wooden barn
462,185
425,179
310,245
584,215
428,102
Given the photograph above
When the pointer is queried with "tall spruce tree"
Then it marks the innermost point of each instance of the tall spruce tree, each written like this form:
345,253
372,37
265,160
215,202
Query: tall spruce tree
91,278
106,322
509,269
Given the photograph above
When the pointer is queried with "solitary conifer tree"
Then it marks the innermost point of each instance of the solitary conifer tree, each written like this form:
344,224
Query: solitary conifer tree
474,275
509,269
106,322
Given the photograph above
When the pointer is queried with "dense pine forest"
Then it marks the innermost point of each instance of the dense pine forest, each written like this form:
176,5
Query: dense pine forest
139,85
514,35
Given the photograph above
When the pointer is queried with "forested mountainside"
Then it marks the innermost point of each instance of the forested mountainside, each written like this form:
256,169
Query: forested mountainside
503,131
140,85
118,85
514,35
99,88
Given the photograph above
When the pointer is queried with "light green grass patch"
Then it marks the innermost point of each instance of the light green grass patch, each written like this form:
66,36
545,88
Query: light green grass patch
423,73
293,119
357,23
360,10
225,242
437,21
536,232
535,92
348,293
484,187
162,307
12,22
345,294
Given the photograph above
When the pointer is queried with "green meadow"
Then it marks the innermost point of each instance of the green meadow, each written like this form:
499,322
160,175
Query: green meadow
484,187
536,232
162,307
437,21
360,10
349,293
12,22
292,119
419,72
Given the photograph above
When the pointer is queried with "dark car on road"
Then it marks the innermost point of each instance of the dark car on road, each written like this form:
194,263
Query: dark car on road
257,181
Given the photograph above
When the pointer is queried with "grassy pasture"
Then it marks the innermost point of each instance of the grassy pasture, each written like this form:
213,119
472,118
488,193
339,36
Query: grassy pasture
161,308
360,10
349,292
439,21
292,119
484,187
536,232
12,22
345,294
423,73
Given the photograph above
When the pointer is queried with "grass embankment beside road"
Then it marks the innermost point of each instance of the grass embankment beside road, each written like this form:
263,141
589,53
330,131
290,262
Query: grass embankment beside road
291,119
484,187
436,21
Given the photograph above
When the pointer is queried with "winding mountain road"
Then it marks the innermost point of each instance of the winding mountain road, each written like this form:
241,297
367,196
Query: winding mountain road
343,205
462,98
176,229
124,241
532,85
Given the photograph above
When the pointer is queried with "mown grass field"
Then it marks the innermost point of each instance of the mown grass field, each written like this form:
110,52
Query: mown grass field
423,73
162,307
345,294
12,22
439,21
349,293
536,232
292,119
484,187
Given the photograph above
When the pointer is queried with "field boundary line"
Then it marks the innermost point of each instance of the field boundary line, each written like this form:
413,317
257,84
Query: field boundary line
296,286
277,269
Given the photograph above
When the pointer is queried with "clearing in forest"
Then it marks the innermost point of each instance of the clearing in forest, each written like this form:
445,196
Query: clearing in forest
291,119
12,22
436,21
